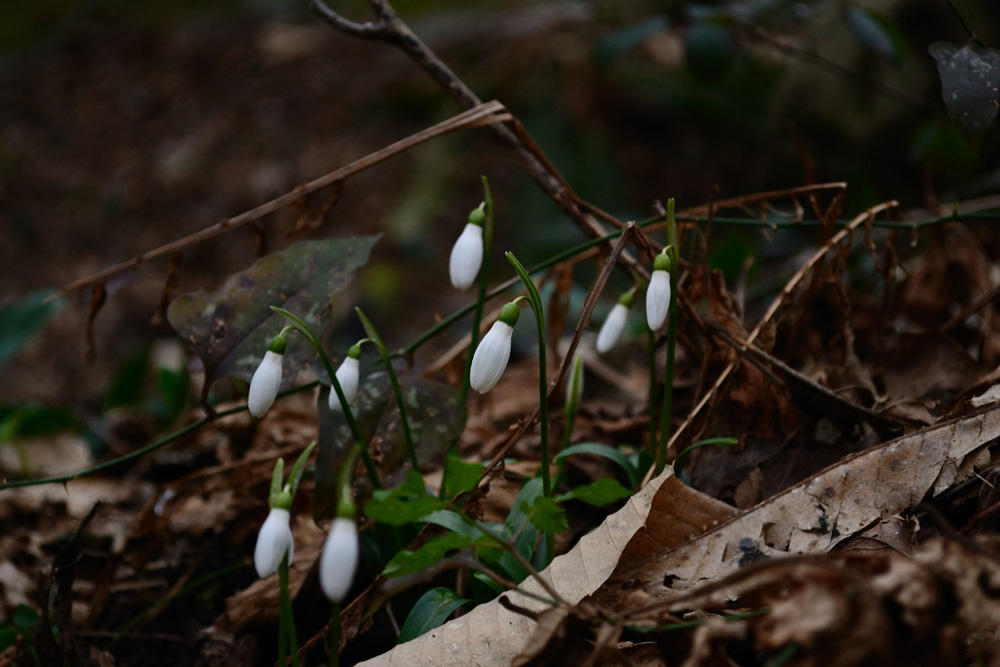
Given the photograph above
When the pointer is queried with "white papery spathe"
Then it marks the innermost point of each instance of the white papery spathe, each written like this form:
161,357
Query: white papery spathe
273,541
347,375
339,559
658,299
490,359
466,257
613,328
265,384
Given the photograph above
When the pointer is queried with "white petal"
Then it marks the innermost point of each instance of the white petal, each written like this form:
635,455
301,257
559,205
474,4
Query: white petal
264,385
490,359
273,542
466,256
657,299
339,559
613,328
347,376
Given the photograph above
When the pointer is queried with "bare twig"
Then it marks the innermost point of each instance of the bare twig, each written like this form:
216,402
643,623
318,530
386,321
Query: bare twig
483,114
393,30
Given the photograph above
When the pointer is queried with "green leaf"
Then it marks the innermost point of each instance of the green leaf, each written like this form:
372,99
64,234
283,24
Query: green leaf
407,503
546,515
460,476
708,442
610,453
20,320
970,84
231,326
433,551
437,418
33,421
24,617
603,491
431,611
128,388
451,520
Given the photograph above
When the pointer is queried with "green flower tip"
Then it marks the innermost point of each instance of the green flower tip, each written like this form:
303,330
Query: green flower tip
477,216
278,344
355,351
662,262
509,314
283,501
628,298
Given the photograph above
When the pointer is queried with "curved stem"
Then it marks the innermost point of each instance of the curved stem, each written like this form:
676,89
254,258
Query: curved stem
287,620
668,374
304,329
335,635
543,386
396,389
651,361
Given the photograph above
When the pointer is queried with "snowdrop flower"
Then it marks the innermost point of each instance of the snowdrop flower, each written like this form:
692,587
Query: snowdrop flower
467,253
347,376
339,559
274,539
267,378
490,359
658,292
614,326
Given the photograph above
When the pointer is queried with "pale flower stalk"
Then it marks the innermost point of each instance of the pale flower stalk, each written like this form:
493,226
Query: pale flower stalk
273,541
266,379
490,359
467,255
339,559
658,293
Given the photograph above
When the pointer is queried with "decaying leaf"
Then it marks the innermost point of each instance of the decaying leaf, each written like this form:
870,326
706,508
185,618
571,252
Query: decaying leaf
231,326
970,79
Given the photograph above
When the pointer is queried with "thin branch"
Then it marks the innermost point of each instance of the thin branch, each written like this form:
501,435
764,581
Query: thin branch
484,114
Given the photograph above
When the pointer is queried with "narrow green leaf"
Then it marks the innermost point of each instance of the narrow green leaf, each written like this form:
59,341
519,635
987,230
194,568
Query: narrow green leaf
610,453
603,491
20,320
433,551
431,611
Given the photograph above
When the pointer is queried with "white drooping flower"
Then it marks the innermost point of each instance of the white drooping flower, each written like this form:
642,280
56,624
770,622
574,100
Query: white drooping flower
658,293
273,541
490,359
339,559
348,376
467,253
614,326
266,379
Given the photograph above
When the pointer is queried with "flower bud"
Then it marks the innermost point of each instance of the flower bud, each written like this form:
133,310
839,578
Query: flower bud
348,376
658,293
490,359
613,328
466,256
339,560
266,379
273,541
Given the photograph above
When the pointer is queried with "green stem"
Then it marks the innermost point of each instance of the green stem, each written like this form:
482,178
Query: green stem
651,359
304,329
396,389
286,619
484,284
965,26
543,385
668,375
335,635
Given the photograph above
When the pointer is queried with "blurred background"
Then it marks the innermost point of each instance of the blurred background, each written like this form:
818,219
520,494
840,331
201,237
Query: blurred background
124,126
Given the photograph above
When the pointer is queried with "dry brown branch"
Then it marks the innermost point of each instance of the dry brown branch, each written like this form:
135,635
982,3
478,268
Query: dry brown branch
786,291
484,114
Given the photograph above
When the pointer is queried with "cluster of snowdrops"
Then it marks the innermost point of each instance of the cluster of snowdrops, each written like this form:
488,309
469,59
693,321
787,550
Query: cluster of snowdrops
339,559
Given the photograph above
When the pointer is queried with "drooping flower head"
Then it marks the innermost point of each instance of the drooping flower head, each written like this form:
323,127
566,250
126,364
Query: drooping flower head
467,253
614,326
658,292
490,359
267,378
274,541
348,376
339,560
